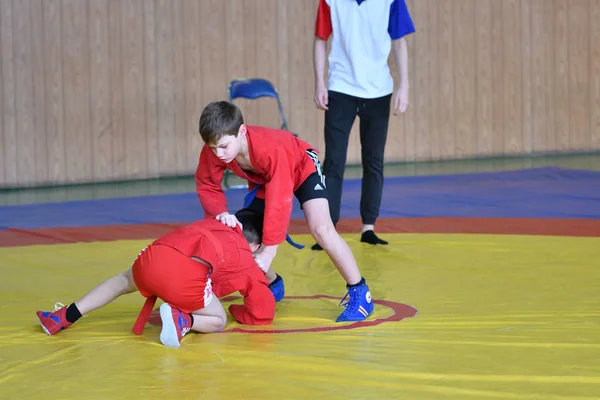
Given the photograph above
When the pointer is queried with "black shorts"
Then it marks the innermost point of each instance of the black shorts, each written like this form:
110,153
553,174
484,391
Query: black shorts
312,188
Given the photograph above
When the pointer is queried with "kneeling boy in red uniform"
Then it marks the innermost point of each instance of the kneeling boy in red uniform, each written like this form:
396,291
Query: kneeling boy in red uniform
189,269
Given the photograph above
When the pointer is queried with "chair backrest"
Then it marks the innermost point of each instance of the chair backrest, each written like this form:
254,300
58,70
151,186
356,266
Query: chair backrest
255,88
251,89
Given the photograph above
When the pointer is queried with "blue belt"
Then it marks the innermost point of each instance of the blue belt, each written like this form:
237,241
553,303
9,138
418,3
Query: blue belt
248,200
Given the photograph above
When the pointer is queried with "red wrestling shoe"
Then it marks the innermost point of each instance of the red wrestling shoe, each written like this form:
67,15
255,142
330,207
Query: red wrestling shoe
175,324
55,321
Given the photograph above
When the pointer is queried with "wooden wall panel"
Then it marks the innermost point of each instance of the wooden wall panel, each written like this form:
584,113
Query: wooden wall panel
422,78
525,77
428,146
116,129
465,61
53,85
23,74
594,18
484,78
180,56
300,60
445,90
76,89
40,152
153,150
2,110
100,115
579,77
110,90
407,121
266,56
561,74
132,67
511,76
167,139
9,114
193,76
550,68
539,76
281,60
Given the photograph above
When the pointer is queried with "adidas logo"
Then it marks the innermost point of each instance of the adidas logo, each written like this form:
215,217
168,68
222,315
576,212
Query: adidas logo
318,187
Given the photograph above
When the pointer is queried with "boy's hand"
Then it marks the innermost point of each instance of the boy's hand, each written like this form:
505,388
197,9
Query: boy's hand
263,261
228,219
260,264
400,100
321,97
264,257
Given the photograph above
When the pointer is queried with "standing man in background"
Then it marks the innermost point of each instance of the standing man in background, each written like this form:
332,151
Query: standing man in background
360,84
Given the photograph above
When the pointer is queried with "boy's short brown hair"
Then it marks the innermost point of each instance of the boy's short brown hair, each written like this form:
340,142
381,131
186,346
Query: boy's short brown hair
218,119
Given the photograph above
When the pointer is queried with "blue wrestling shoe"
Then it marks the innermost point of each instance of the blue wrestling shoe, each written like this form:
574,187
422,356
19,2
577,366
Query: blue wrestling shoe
277,288
359,306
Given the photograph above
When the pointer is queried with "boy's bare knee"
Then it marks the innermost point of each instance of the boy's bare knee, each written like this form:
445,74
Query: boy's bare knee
210,319
323,233
129,282
219,320
216,324
221,324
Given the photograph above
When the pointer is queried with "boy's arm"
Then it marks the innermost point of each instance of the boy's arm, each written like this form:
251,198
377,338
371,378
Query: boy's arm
209,176
323,30
258,307
320,54
279,194
400,25
400,103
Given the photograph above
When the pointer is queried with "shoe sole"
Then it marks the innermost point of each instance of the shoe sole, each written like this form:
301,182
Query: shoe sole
168,334
345,319
45,330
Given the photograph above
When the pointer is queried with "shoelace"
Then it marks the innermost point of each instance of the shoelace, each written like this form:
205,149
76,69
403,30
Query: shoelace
352,303
58,305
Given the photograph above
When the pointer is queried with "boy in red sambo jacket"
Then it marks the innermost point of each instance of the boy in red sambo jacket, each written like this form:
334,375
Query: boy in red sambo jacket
284,166
189,268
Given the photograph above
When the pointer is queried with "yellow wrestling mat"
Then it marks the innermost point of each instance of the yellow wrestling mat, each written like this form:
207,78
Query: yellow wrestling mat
499,317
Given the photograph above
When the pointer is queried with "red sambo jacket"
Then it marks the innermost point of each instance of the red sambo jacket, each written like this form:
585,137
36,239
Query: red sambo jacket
282,164
233,269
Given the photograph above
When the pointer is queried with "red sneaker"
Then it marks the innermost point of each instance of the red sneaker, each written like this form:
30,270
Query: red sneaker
175,324
55,321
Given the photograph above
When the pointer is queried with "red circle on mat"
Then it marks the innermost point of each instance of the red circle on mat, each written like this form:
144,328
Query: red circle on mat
400,310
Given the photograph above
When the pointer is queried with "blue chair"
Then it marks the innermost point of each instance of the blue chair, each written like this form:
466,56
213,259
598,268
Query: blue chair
253,89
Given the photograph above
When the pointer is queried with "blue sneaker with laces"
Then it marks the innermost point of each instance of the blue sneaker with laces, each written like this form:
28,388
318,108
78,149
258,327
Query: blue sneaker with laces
277,288
359,305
